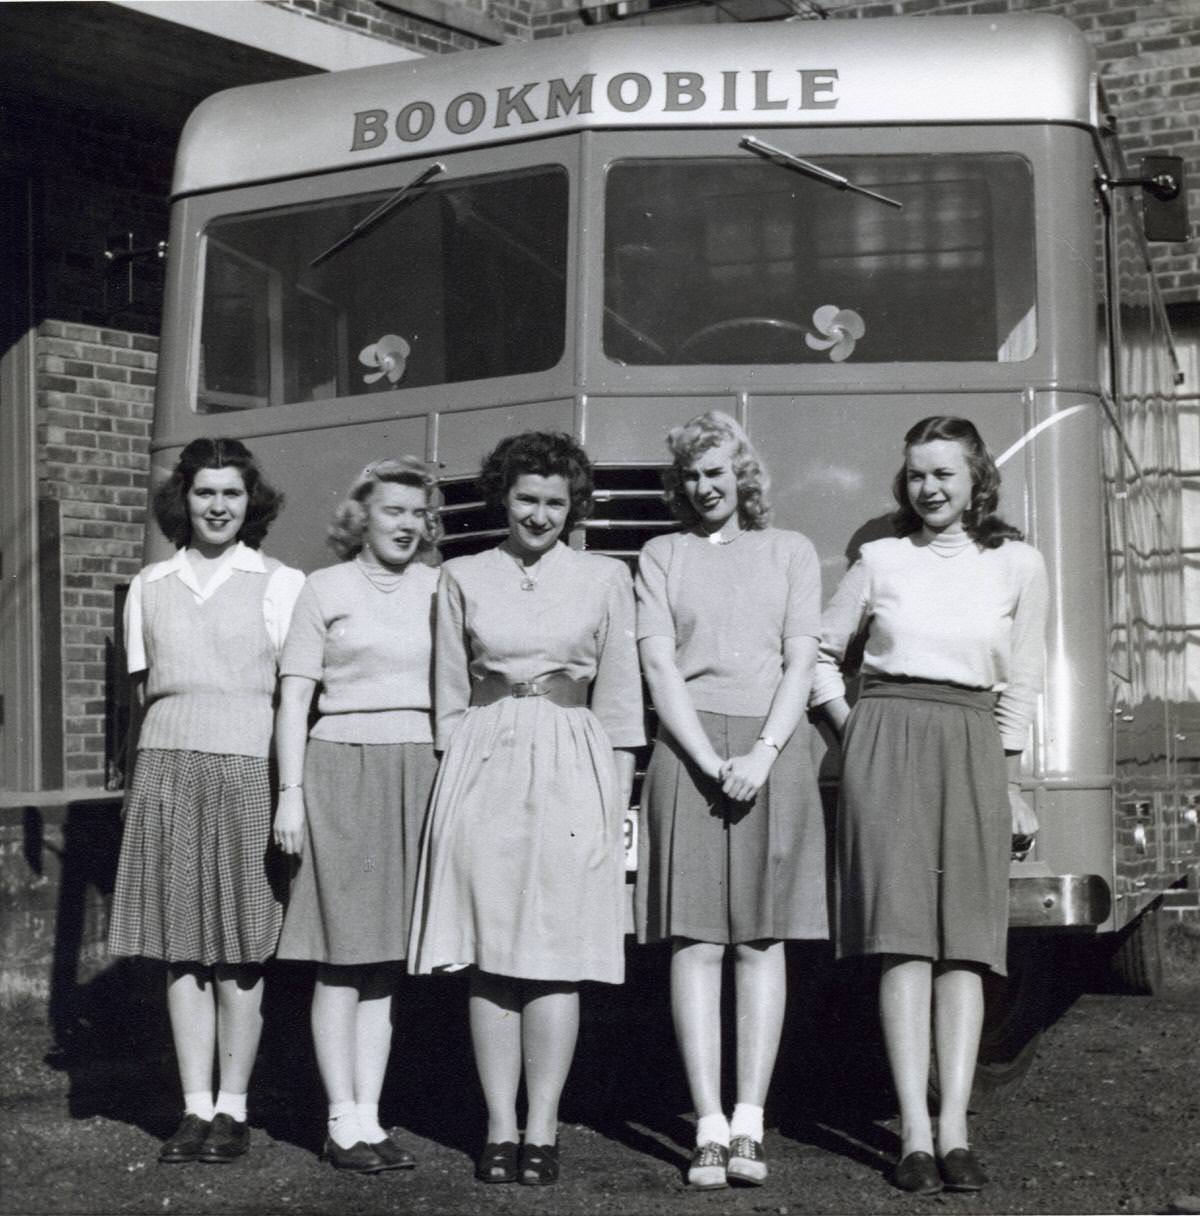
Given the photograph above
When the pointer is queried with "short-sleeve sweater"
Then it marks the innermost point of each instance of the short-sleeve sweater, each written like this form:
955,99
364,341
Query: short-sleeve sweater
969,616
729,609
370,650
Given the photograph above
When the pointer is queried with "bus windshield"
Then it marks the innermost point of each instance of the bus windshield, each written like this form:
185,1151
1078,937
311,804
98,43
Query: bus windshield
742,261
466,281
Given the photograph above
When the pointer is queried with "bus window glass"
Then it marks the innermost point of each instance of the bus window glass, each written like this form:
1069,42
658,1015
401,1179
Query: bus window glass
727,260
465,280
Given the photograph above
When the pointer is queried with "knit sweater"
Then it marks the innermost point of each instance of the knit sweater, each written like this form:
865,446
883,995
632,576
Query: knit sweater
729,609
209,653
370,650
957,615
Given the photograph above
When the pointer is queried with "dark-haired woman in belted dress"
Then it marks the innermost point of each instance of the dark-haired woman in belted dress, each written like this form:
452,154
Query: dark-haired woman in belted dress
538,704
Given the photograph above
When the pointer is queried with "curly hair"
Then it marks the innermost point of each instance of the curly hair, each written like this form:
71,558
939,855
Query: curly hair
345,536
543,454
263,501
689,442
980,521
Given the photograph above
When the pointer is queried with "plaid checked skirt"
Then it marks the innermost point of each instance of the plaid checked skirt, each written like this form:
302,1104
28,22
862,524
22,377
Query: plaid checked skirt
197,880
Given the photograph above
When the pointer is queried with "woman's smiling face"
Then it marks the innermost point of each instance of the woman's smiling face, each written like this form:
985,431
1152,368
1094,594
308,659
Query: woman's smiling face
216,504
711,486
939,483
537,509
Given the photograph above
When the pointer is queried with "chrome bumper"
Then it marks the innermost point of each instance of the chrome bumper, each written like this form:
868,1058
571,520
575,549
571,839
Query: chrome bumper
1058,901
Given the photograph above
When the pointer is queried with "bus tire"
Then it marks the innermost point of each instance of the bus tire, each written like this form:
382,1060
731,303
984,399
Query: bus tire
1136,962
1015,1011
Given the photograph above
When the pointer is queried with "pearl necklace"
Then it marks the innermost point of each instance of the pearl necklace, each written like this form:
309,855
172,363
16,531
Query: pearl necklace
381,578
715,538
947,547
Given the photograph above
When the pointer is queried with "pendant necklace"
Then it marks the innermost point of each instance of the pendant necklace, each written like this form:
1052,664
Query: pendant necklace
528,577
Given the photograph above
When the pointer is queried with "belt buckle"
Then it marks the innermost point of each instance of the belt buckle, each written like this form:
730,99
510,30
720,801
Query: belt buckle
527,688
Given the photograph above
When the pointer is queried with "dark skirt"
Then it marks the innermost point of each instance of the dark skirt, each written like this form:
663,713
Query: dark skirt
197,877
924,826
718,871
352,893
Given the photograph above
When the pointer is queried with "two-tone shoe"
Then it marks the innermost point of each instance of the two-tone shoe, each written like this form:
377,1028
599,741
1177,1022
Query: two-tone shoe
961,1171
708,1168
747,1161
187,1143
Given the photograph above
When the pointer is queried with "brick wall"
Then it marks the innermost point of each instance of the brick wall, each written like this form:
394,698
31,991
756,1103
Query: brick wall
430,37
95,394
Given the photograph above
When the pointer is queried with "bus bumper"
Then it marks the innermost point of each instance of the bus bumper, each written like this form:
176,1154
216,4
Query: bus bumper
1058,901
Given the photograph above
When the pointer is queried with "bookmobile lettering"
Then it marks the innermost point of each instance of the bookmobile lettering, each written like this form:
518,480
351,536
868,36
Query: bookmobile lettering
732,91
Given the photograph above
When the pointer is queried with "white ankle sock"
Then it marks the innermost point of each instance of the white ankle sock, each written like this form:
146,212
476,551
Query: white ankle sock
747,1121
200,1104
368,1122
343,1124
712,1128
233,1105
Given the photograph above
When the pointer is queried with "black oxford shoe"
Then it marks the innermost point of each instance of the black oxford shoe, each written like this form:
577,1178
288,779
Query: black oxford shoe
187,1142
918,1174
392,1155
227,1140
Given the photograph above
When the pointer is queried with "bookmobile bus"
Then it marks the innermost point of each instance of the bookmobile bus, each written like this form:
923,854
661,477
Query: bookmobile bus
828,229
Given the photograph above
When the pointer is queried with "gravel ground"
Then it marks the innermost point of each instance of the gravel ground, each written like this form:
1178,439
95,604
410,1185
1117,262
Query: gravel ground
1106,1120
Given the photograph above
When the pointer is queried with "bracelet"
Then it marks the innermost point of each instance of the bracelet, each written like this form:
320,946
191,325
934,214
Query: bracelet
769,742
291,785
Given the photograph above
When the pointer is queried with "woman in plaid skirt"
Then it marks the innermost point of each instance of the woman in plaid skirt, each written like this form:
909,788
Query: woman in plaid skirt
203,632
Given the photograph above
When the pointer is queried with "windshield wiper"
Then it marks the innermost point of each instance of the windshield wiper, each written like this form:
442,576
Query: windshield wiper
384,209
790,161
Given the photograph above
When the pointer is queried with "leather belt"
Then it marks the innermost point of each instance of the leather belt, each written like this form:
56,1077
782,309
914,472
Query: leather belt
558,689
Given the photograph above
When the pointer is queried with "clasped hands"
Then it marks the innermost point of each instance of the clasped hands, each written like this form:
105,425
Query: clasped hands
741,777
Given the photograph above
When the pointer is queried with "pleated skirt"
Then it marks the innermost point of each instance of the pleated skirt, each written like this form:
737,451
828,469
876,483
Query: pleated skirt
522,863
352,889
719,871
924,827
197,879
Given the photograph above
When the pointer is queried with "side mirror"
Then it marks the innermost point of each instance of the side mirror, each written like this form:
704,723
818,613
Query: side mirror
1164,198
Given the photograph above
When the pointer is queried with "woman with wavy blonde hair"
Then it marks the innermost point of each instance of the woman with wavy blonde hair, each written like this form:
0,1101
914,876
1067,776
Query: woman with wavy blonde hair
733,857
353,791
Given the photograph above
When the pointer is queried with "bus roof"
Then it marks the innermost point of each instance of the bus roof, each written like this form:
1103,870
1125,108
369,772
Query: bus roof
1012,68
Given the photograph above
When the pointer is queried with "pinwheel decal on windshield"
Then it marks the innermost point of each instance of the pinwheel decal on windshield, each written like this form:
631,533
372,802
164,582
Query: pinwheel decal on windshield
839,329
390,355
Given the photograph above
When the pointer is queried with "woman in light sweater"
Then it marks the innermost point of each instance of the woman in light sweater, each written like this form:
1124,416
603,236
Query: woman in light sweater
954,610
354,789
733,854
202,632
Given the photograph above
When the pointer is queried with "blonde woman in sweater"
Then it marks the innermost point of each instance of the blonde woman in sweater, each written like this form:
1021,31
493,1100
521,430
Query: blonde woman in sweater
354,789
954,611
733,858
203,631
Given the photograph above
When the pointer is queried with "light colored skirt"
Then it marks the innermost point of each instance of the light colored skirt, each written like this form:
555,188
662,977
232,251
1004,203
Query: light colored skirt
719,871
522,864
924,829
352,891
197,879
